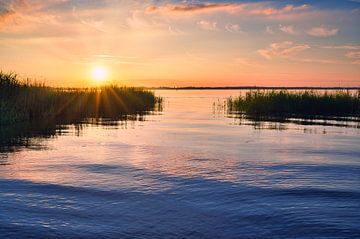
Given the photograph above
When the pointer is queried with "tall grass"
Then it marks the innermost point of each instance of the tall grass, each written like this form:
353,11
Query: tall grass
22,101
304,104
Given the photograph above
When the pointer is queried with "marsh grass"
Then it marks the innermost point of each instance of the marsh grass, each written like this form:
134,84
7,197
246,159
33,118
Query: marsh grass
304,104
25,102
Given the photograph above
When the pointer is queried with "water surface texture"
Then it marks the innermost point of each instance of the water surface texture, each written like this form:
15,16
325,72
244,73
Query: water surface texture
190,171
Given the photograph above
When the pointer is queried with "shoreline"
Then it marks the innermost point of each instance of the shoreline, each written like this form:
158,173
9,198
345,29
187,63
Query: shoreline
253,88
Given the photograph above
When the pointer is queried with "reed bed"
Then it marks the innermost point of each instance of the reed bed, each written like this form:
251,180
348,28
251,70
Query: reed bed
24,102
309,104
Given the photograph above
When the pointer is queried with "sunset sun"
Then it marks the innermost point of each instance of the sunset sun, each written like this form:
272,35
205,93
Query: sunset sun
99,73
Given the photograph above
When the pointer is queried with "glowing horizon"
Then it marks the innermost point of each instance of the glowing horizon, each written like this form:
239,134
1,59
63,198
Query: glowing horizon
177,43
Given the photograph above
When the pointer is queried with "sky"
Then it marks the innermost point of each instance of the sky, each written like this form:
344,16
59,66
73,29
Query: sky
183,43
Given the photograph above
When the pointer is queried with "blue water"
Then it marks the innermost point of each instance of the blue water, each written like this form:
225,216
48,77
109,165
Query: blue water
190,171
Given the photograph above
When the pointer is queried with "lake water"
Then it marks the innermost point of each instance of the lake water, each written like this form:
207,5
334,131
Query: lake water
189,171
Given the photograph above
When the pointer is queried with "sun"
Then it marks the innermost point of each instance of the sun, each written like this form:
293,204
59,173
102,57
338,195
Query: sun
99,73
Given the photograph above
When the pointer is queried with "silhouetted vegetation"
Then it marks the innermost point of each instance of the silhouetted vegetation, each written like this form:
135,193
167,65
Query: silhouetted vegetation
25,102
308,104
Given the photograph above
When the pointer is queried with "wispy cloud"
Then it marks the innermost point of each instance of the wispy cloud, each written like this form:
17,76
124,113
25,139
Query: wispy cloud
320,61
233,28
288,29
270,30
282,49
5,15
245,8
354,56
268,11
342,47
196,8
322,31
206,25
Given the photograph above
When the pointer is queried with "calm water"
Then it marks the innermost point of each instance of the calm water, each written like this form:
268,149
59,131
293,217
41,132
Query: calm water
189,171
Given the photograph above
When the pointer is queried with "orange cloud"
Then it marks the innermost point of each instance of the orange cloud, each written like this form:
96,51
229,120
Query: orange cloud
5,15
275,11
21,15
246,8
197,8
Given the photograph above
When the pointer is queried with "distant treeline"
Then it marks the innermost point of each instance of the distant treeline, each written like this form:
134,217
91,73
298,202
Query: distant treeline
254,88
22,101
304,104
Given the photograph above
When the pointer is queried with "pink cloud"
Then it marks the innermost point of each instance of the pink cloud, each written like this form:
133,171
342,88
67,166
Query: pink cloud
288,29
269,30
343,47
354,56
233,28
283,49
320,61
323,31
246,8
275,11
22,15
209,26
196,8
294,50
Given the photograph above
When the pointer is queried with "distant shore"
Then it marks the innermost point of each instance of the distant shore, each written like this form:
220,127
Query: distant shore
254,88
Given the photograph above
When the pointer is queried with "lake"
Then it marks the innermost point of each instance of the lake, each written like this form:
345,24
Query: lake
189,170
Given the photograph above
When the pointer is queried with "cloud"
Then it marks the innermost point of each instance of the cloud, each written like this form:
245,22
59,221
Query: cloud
283,49
288,29
245,8
268,11
269,30
196,8
209,26
320,61
233,28
26,15
323,31
354,56
343,47
5,15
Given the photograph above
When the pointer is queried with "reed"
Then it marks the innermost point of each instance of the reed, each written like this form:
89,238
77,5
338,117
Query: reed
310,104
23,101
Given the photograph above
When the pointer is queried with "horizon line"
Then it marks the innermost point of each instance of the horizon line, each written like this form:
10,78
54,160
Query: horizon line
254,87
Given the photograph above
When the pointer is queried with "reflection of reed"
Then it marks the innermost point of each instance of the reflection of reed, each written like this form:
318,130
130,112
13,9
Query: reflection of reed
282,123
33,134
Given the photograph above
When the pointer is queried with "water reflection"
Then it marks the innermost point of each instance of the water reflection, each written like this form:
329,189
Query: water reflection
279,123
33,135
188,168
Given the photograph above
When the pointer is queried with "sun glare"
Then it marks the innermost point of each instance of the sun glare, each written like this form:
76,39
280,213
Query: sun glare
99,73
